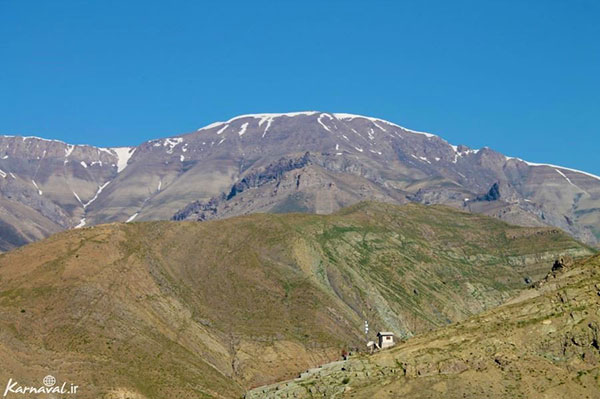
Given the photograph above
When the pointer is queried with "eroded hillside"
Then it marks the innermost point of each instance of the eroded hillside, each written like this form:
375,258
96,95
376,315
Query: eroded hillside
188,309
543,344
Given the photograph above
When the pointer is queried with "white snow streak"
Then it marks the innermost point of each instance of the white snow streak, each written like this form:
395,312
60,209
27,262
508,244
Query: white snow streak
77,196
214,124
221,130
36,186
420,158
100,188
342,116
556,167
379,127
269,121
243,129
262,117
321,122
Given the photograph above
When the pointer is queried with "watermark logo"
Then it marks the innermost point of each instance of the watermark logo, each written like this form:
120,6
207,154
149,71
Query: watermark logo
49,381
49,386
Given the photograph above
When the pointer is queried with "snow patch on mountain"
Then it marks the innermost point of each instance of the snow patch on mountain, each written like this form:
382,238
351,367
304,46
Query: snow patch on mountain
36,186
221,130
269,121
266,116
171,143
243,129
371,134
81,223
321,122
100,188
343,116
566,178
123,156
212,125
262,117
69,150
533,164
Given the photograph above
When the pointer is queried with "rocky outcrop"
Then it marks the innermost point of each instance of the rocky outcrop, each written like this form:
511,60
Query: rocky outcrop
205,210
492,195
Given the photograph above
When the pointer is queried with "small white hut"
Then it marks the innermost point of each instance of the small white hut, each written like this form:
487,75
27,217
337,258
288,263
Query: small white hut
386,339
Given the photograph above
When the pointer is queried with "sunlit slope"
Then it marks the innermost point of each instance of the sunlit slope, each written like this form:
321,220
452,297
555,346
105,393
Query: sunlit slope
187,309
543,344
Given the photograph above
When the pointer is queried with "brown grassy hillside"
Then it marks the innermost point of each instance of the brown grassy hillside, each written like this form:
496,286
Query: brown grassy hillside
186,309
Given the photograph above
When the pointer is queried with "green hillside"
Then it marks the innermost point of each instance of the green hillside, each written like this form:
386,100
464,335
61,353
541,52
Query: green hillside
542,344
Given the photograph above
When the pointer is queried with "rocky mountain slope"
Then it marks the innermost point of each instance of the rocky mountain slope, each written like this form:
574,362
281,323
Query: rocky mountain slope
47,186
543,344
306,161
188,310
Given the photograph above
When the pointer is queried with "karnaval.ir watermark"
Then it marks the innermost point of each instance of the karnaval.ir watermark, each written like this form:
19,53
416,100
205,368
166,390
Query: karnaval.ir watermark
49,386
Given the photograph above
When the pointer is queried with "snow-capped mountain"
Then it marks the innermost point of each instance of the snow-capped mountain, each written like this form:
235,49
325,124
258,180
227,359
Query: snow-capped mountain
303,161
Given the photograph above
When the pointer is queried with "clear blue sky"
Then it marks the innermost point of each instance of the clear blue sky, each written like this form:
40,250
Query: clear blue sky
522,77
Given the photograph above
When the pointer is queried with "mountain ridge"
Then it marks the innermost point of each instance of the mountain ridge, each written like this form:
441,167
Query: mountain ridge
50,186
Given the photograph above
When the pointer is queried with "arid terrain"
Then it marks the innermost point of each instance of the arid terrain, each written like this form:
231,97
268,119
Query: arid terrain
213,309
542,344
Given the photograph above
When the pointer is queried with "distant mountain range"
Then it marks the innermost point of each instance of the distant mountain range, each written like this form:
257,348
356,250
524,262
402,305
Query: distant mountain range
296,162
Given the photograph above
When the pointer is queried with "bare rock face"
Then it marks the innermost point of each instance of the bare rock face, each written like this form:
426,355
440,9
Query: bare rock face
297,162
492,195
47,186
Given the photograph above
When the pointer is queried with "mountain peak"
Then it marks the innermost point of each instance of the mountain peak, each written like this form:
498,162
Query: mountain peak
263,117
306,161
